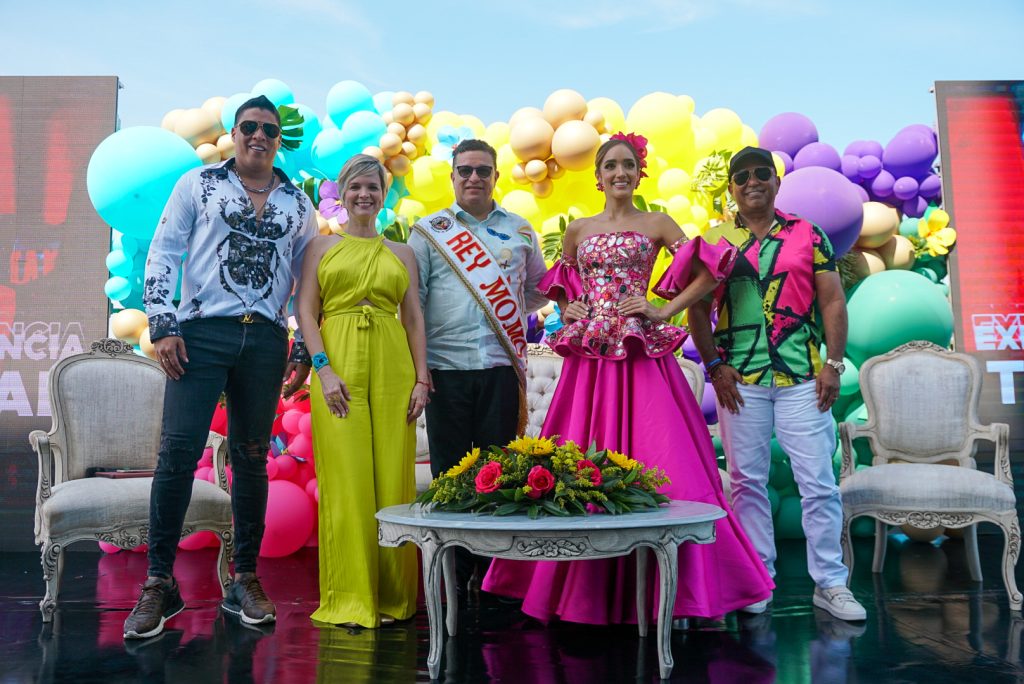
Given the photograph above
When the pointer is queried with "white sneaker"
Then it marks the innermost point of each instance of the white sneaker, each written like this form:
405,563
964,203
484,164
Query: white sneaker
839,602
756,608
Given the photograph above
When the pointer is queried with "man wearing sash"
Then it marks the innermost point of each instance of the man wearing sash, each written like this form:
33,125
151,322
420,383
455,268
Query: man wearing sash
479,266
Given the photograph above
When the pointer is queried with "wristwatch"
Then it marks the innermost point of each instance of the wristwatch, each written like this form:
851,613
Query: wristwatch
838,365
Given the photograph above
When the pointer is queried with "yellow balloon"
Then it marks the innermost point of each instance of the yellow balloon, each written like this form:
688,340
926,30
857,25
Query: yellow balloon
441,119
665,120
506,160
146,345
475,125
226,146
673,182
170,119
497,134
424,97
690,230
611,113
748,138
535,170
422,113
208,152
881,222
128,325
198,126
524,203
403,97
574,145
410,208
780,166
898,253
679,209
390,144
564,105
543,188
524,113
704,140
429,179
530,138
700,215
726,126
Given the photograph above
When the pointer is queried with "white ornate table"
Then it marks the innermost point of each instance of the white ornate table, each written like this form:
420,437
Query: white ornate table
552,538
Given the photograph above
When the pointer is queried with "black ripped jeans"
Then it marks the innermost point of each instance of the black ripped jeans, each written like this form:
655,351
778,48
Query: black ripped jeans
246,361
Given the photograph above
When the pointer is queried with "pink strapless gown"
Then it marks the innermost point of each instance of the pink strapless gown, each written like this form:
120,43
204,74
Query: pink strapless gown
621,387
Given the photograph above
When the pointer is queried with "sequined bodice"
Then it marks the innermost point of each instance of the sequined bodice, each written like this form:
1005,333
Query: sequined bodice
614,266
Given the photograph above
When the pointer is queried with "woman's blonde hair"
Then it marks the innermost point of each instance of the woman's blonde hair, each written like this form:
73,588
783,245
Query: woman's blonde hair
361,165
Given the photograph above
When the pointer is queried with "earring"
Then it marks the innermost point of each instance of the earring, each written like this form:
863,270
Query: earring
600,186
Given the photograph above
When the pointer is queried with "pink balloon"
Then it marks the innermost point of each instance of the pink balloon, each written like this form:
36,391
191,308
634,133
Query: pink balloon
272,470
290,421
229,475
306,471
207,458
198,540
301,446
311,489
141,548
289,521
306,424
286,467
108,548
203,473
211,476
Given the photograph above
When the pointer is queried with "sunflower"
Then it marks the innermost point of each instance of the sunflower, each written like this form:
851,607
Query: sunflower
465,464
623,461
532,446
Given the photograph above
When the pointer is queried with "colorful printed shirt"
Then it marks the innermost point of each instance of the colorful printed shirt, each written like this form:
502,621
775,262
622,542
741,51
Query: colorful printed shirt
769,326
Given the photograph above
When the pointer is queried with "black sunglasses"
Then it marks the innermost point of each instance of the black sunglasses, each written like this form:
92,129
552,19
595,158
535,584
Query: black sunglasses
483,172
762,173
269,129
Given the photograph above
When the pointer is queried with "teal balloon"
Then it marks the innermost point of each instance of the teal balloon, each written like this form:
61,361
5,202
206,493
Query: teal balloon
363,129
908,226
384,219
863,527
132,246
774,500
311,127
780,475
347,97
788,520
231,105
891,308
132,173
276,91
329,152
778,454
849,381
117,288
716,442
382,101
119,263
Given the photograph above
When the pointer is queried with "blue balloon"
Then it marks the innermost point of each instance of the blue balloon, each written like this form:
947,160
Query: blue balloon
231,105
132,173
330,152
311,126
346,97
119,263
382,101
363,129
117,288
276,91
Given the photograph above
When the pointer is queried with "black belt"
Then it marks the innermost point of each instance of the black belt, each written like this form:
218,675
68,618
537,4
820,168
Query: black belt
250,318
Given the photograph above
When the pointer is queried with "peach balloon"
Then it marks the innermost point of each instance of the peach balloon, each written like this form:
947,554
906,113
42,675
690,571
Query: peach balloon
409,150
170,119
145,345
128,324
519,174
214,105
564,105
554,170
596,119
866,262
422,112
536,170
881,222
398,165
417,134
226,146
574,145
395,128
404,114
390,144
424,97
543,188
403,97
208,152
530,138
388,117
524,113
898,252
375,152
198,126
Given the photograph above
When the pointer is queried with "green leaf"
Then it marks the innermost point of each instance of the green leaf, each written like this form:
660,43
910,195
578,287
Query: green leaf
533,511
507,509
291,127
552,508
509,494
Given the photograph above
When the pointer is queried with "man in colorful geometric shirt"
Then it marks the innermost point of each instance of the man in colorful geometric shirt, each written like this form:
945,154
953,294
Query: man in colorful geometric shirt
768,374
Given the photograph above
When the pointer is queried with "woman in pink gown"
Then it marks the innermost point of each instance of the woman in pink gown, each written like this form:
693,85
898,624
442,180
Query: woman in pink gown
622,388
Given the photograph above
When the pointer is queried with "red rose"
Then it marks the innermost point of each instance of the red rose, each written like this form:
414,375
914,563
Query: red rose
487,478
595,472
541,482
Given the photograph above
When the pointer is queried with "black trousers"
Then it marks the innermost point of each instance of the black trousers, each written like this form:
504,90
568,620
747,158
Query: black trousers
473,408
247,362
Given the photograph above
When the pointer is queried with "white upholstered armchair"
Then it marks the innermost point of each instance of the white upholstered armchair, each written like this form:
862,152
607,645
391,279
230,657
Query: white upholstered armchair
923,430
107,407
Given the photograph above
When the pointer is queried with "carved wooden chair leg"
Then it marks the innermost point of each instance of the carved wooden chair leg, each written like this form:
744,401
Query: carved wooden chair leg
224,556
1011,551
881,544
971,549
847,546
53,566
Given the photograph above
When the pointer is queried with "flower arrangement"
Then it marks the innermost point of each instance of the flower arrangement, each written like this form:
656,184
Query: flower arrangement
535,476
639,145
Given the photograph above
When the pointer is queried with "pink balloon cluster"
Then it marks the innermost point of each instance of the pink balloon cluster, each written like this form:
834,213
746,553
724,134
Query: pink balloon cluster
899,174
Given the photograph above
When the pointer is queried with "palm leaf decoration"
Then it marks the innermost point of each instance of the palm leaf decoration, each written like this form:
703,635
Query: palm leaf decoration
291,127
712,177
551,243
311,186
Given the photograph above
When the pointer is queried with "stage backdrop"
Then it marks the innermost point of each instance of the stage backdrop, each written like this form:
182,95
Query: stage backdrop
52,249
982,155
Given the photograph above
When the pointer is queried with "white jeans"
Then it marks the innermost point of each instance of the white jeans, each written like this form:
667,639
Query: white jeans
808,437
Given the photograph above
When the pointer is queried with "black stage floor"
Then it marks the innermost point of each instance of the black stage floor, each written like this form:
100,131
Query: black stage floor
927,622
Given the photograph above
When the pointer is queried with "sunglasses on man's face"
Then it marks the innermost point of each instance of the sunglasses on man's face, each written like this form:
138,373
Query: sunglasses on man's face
761,173
269,129
483,172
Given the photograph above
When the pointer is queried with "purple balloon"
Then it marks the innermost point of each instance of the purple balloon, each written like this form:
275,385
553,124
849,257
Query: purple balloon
817,154
850,164
864,197
931,187
881,186
915,207
905,188
869,166
709,404
863,148
788,132
826,198
690,350
911,152
787,161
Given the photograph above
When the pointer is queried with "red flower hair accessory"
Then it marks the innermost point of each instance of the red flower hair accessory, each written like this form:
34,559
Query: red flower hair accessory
639,145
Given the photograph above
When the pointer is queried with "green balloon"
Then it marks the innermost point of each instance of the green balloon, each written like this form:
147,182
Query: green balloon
908,226
891,308
716,442
787,522
849,381
863,527
778,454
781,475
774,499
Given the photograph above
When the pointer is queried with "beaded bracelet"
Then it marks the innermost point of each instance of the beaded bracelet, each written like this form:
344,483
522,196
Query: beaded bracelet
713,364
320,360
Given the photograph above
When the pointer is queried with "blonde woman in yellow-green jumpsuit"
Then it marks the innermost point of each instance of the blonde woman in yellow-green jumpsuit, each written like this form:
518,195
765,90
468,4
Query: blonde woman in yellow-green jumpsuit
370,384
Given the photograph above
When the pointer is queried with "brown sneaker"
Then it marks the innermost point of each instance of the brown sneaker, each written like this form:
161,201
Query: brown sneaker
249,602
159,602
